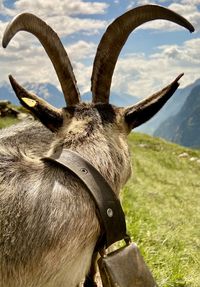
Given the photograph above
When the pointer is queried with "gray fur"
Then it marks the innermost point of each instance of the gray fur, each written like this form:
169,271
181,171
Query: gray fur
48,221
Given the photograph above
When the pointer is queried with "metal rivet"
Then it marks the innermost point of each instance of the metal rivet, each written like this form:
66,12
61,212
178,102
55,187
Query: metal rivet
110,212
84,170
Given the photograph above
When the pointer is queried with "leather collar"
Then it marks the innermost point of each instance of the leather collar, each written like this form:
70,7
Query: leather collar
110,211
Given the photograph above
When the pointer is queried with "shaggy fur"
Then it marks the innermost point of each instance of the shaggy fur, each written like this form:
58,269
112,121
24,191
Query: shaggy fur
45,212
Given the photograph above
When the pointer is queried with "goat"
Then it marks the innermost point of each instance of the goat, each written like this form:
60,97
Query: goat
49,227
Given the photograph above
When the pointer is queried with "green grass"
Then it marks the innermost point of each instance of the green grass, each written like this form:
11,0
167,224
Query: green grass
162,204
7,121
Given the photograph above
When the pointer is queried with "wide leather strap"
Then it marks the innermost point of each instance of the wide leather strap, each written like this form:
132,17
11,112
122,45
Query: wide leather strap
111,214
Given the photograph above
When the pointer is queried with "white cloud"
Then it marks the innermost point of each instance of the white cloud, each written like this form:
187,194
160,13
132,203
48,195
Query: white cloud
184,55
65,25
189,10
83,75
135,74
140,75
4,10
60,7
29,63
191,2
133,4
81,50
24,55
60,14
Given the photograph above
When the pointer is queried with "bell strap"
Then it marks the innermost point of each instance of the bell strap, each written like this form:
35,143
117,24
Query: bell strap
110,211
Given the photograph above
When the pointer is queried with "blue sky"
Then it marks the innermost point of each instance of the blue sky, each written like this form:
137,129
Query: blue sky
152,57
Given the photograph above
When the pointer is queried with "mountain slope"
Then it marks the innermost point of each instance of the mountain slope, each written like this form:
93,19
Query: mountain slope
171,108
184,128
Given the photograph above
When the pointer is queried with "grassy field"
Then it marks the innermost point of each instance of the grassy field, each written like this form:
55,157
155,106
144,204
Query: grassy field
162,203
7,121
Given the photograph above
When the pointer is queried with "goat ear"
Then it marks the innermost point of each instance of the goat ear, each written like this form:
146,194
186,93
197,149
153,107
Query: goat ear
146,109
51,117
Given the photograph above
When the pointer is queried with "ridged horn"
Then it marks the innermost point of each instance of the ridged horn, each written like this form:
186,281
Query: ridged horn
53,47
114,39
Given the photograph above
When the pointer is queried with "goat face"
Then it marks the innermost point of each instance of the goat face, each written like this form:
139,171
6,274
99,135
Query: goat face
98,131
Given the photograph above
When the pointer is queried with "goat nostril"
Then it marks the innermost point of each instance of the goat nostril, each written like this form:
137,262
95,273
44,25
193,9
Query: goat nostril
84,170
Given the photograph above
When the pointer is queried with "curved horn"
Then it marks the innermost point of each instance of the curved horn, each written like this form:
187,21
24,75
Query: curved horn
114,39
54,48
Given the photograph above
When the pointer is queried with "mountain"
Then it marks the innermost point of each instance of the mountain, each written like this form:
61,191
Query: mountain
116,99
184,128
47,91
55,97
170,109
6,93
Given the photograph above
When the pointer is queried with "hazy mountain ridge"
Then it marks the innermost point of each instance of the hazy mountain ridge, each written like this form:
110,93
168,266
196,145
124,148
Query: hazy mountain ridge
46,91
184,127
54,96
166,116
171,108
